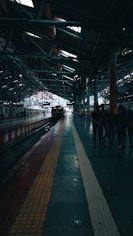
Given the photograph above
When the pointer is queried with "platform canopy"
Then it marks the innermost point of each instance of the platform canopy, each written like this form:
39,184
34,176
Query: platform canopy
62,46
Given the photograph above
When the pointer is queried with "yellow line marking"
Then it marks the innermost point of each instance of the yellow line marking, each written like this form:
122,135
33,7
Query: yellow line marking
31,217
100,214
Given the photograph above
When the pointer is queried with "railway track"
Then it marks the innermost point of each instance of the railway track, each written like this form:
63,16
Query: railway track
12,153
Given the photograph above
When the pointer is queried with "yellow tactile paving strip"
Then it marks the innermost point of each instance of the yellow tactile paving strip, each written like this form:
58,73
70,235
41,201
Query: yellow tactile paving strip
31,217
101,218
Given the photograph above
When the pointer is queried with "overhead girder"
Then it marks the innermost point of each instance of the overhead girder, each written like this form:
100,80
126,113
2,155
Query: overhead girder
62,72
101,33
26,21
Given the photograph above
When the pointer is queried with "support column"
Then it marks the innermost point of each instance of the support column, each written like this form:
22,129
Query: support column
79,100
95,92
88,103
88,98
84,104
113,88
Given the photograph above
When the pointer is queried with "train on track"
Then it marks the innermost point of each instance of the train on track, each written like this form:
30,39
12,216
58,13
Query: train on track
57,112
14,111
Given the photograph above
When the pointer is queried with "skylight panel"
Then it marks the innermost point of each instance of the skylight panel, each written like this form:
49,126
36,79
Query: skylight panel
75,28
59,19
28,3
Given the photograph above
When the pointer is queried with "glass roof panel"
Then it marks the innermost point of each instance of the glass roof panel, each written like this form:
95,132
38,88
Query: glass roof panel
28,3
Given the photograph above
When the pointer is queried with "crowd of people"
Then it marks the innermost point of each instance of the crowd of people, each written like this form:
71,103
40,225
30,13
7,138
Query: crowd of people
110,127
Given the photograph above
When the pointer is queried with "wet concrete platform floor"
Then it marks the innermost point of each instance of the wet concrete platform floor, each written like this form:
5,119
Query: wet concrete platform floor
114,170
68,210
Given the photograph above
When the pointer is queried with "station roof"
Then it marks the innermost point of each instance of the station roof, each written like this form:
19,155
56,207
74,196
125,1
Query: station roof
55,45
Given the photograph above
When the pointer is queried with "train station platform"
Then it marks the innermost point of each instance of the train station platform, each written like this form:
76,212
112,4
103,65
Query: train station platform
68,186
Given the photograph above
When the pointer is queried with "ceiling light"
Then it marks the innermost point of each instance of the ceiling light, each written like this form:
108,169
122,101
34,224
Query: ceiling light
33,35
15,81
67,54
68,68
65,76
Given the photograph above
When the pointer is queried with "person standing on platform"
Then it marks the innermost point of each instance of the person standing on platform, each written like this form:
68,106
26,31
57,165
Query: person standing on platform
96,125
121,126
103,125
111,126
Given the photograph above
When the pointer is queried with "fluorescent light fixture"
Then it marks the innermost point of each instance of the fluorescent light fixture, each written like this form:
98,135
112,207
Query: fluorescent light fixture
127,76
67,54
15,81
65,76
75,60
33,35
68,68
